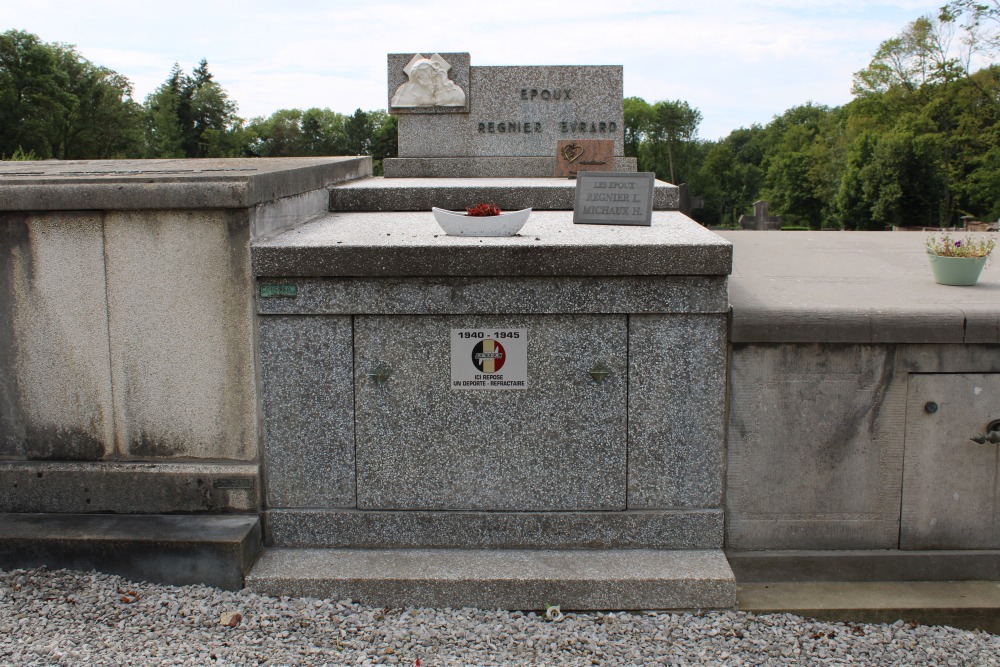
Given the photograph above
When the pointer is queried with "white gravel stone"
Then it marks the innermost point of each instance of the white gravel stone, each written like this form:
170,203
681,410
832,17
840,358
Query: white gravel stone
73,618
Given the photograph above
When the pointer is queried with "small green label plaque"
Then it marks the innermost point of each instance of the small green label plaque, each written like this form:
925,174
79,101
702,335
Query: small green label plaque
232,483
271,291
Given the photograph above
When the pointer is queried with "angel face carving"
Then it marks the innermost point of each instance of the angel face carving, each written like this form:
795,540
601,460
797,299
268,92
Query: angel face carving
428,85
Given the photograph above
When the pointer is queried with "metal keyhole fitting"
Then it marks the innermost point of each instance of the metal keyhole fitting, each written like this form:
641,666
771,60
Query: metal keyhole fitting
599,372
380,375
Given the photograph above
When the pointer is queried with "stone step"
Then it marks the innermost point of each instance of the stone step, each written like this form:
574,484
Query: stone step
650,529
216,550
410,244
420,194
501,579
965,604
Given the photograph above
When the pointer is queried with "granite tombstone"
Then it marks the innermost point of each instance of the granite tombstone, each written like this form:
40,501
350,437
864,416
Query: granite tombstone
510,122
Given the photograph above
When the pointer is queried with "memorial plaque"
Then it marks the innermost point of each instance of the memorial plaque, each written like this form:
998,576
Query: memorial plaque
612,198
489,358
577,155
513,111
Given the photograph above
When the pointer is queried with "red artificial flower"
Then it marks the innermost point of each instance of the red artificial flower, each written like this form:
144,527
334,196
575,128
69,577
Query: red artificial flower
483,210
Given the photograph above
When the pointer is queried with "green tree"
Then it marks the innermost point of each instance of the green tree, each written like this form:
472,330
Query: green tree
167,113
853,205
801,170
360,131
672,129
278,135
192,116
905,186
638,118
922,53
980,23
323,132
101,119
974,145
385,143
56,104
731,176
215,126
32,95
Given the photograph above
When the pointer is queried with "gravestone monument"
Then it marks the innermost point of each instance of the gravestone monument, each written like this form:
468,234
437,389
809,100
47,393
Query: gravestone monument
761,218
496,421
457,120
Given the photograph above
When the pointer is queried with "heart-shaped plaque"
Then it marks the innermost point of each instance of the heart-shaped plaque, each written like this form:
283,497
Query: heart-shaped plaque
572,152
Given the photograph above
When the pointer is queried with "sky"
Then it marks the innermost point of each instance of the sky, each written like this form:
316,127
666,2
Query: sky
739,62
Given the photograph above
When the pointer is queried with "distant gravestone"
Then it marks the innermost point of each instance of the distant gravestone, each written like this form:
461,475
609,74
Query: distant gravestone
760,220
456,120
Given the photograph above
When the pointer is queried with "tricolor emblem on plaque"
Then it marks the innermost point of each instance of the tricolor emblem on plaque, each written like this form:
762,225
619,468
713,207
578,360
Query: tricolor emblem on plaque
488,356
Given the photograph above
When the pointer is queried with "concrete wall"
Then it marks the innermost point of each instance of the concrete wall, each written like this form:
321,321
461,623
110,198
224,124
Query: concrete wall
130,338
855,384
127,338
55,376
832,446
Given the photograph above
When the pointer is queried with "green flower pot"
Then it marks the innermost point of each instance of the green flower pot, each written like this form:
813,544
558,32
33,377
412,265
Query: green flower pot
961,271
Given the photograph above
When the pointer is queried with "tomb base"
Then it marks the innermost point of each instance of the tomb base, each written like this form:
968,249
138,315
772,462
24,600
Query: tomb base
596,483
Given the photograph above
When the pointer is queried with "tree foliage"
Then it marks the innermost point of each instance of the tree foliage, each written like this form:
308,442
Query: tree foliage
918,146
292,132
56,104
668,146
192,116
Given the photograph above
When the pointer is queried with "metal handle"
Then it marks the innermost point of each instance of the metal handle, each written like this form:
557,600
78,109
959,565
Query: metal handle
992,434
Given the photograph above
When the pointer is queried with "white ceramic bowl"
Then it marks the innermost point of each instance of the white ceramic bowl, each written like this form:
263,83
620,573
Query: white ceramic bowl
455,223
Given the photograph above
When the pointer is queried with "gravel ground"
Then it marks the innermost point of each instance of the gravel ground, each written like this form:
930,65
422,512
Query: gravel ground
74,618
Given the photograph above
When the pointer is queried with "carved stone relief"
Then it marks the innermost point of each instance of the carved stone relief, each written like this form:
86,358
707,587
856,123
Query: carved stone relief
428,85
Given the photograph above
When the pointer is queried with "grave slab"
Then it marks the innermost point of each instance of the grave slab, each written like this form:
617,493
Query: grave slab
454,295
676,393
815,447
483,167
306,367
522,111
55,376
852,287
75,185
412,244
128,487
